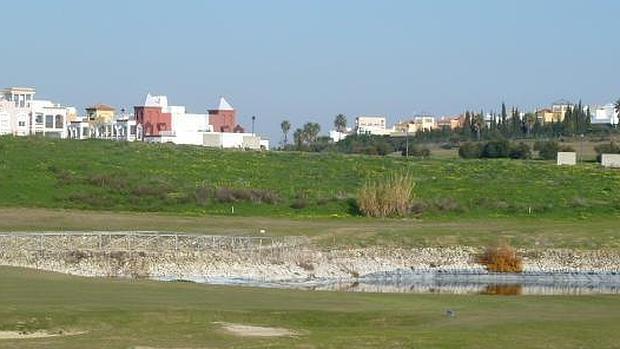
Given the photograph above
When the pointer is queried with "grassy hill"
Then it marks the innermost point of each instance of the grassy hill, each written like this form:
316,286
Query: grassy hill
104,175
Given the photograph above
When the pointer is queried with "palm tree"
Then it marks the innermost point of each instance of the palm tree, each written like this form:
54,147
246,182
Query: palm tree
286,127
311,131
617,106
340,123
299,137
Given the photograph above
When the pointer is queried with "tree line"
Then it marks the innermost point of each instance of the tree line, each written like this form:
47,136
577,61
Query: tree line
507,124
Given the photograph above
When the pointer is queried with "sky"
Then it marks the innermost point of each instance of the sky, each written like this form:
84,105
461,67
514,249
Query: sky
310,60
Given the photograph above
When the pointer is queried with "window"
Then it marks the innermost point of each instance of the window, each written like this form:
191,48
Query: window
59,121
132,130
22,124
49,121
39,119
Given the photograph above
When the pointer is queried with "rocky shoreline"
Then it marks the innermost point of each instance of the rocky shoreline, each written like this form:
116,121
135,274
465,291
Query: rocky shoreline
301,264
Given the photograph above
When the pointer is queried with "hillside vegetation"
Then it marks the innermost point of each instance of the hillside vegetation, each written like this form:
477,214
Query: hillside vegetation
104,175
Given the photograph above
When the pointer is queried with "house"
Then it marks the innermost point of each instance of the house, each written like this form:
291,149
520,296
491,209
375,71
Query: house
22,115
418,123
604,115
100,114
450,122
546,115
224,118
373,125
559,109
164,123
123,128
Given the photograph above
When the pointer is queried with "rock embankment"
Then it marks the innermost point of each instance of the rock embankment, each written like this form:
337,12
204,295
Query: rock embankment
301,263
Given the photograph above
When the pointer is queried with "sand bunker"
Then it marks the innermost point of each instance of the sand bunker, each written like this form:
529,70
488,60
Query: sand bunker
36,334
256,331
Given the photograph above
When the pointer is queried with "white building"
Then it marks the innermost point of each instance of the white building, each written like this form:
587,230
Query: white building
336,136
605,114
372,125
123,128
195,129
22,115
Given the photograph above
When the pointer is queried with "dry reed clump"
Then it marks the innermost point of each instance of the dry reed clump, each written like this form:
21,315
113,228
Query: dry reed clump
502,259
386,197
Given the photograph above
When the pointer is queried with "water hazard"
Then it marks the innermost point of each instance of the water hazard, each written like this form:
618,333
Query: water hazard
453,282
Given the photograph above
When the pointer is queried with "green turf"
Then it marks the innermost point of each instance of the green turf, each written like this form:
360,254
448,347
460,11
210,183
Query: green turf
122,314
528,232
103,175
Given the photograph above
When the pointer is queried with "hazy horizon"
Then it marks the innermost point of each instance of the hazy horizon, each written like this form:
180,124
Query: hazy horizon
310,61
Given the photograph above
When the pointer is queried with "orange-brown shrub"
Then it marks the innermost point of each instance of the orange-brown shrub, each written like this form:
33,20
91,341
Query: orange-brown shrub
502,259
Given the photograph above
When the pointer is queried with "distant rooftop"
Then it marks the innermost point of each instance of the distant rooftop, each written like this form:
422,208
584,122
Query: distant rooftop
101,106
224,105
562,102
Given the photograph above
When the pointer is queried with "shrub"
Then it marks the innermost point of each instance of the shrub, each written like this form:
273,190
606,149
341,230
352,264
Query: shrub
549,150
470,150
116,182
300,202
389,196
496,149
520,151
202,194
502,259
229,195
416,151
610,148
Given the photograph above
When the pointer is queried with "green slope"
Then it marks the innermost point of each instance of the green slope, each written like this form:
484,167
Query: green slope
105,175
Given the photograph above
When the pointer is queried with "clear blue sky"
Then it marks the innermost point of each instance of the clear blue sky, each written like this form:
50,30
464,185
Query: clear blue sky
309,60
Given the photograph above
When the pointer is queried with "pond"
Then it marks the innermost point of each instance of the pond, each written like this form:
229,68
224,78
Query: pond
453,282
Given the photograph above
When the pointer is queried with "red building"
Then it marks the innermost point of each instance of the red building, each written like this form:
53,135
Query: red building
153,120
224,118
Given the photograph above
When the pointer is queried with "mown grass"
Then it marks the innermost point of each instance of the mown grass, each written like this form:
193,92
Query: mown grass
128,314
113,176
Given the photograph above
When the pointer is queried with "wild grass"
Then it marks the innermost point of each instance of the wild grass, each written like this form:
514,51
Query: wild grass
390,196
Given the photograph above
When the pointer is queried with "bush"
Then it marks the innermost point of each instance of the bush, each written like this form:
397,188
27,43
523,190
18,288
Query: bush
549,150
520,151
502,259
611,148
390,196
300,202
230,195
470,150
496,149
416,151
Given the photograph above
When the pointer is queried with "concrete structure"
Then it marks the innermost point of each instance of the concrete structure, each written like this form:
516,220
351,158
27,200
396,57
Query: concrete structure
22,115
610,160
373,125
567,158
604,115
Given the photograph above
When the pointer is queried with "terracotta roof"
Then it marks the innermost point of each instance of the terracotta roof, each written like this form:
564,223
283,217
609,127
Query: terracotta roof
101,106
